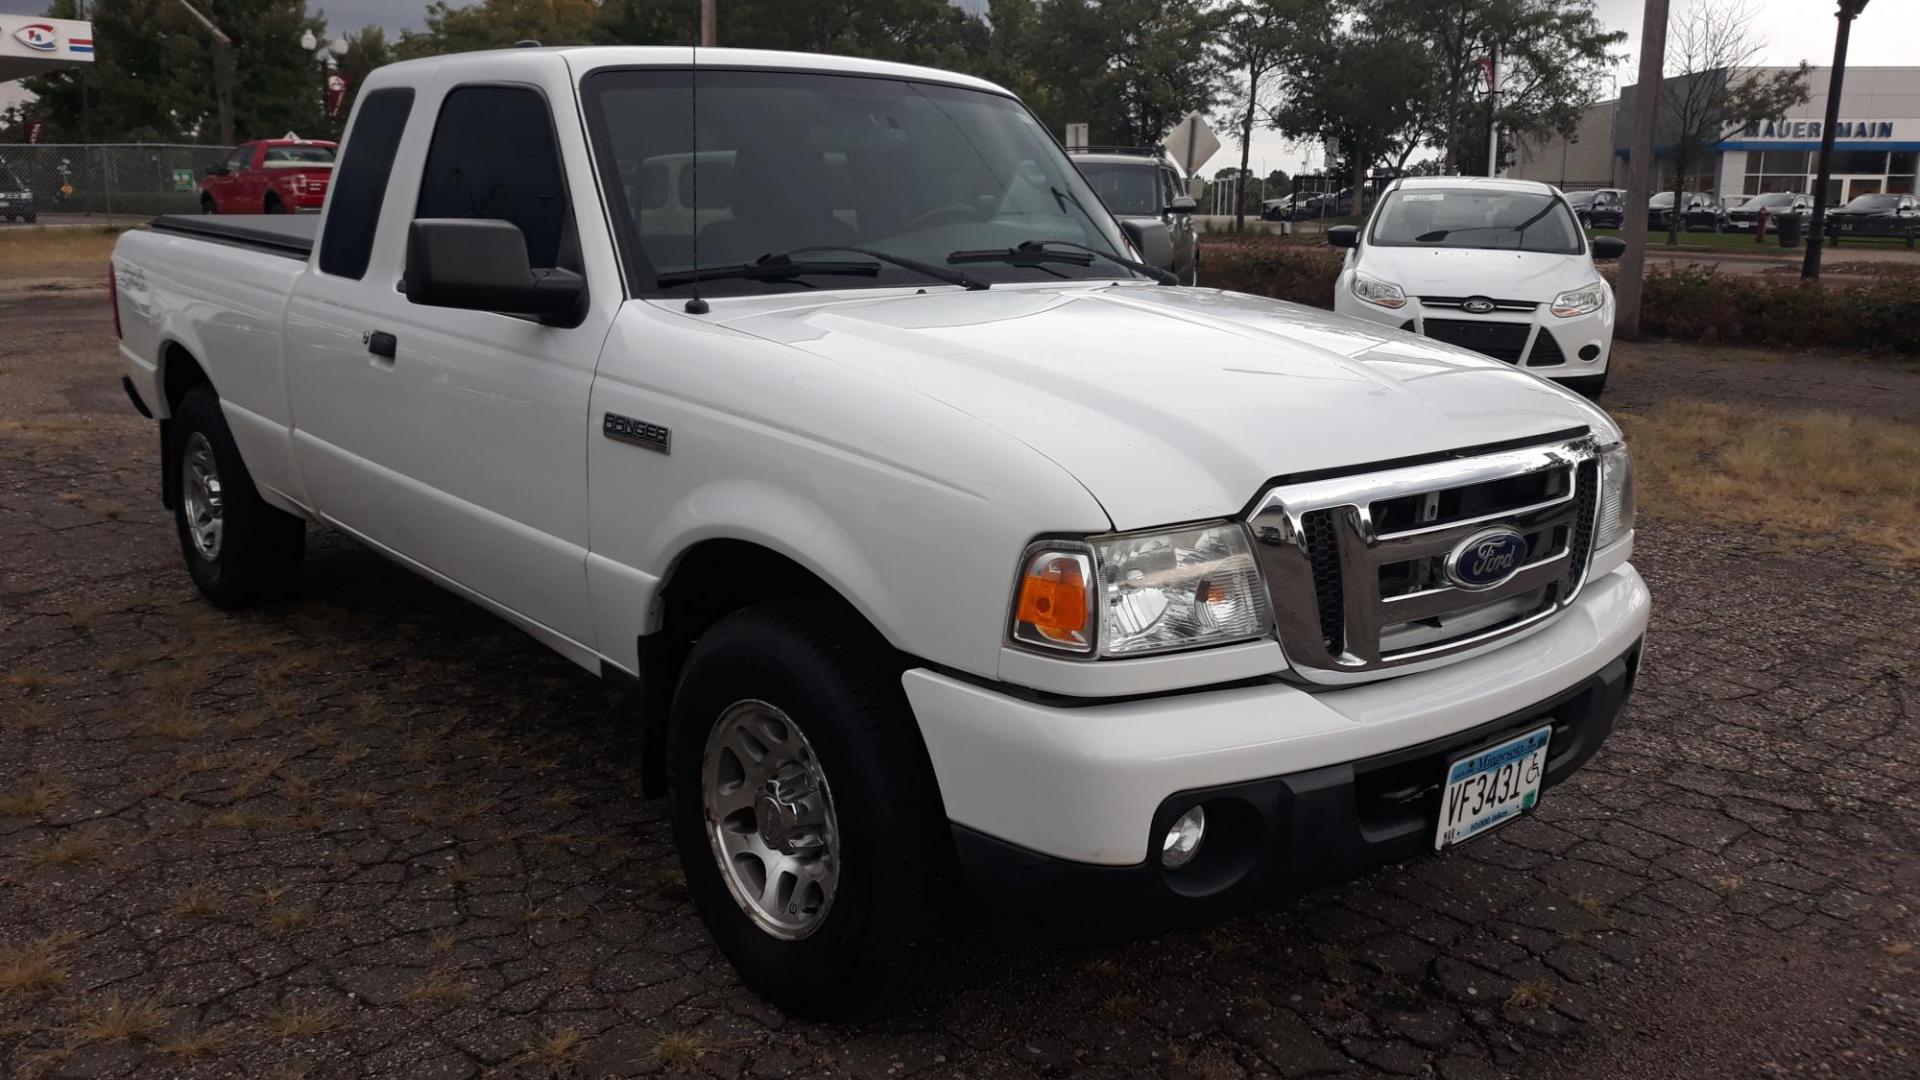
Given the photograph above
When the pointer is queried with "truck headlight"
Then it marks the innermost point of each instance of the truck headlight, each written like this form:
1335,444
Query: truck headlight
1374,291
1616,515
1140,593
1580,301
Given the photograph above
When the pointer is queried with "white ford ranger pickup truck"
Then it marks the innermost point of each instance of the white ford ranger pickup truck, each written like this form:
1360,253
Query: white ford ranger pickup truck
821,404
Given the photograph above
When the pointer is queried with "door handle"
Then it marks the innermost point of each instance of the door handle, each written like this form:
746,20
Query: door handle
381,343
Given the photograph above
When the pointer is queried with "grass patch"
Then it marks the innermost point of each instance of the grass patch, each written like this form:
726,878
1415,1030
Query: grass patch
118,1020
1814,479
34,796
439,989
554,1050
190,1046
70,849
34,968
1532,994
680,1049
26,247
294,1021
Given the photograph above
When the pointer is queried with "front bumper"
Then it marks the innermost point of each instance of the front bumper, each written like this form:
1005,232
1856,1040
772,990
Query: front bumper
1536,340
1284,834
1087,782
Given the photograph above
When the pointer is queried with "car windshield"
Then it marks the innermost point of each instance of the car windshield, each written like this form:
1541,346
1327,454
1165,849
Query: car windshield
10,182
791,160
1476,218
298,155
1874,202
1581,198
1661,201
1769,200
1128,190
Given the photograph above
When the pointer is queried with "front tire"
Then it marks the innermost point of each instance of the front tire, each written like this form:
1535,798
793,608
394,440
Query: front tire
804,809
239,549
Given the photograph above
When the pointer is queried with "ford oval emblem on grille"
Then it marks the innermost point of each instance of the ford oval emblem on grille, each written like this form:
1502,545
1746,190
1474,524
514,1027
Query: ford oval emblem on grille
1478,305
1487,558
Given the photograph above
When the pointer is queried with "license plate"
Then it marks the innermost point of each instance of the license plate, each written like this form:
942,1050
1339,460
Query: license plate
1491,787
1846,226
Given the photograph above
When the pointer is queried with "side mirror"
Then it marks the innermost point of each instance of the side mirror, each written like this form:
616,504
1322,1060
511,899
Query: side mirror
1608,247
1151,239
480,264
216,170
1182,204
1344,236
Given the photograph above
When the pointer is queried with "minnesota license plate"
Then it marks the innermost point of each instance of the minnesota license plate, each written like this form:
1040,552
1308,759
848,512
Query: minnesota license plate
1491,787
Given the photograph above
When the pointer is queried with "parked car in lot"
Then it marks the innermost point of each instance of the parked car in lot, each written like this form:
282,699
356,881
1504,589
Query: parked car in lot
1777,204
1143,186
1874,215
1497,266
1280,209
269,176
1292,595
1601,208
1700,211
16,199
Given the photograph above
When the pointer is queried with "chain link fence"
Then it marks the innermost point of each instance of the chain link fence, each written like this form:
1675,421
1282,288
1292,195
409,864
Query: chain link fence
111,178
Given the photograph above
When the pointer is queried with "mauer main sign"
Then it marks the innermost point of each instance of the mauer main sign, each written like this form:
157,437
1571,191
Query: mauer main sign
1810,129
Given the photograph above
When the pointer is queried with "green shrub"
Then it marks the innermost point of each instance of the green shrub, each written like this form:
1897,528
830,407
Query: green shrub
1681,303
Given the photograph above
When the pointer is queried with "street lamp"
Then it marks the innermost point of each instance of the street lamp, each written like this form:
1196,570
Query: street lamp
1849,10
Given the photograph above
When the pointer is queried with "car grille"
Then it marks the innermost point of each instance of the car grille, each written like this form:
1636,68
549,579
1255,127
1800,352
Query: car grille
1357,565
1500,340
1461,301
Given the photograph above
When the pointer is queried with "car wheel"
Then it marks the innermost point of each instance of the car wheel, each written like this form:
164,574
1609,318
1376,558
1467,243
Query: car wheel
239,550
208,206
274,206
805,812
1587,386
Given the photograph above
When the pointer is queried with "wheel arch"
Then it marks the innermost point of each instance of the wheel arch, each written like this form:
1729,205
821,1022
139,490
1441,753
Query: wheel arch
705,582
180,372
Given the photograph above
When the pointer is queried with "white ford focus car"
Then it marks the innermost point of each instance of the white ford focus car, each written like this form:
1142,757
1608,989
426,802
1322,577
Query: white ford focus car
1497,266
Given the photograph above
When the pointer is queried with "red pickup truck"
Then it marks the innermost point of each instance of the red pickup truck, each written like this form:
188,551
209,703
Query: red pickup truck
269,176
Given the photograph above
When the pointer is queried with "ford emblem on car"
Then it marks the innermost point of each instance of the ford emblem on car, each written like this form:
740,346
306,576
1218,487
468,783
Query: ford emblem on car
1478,305
1486,559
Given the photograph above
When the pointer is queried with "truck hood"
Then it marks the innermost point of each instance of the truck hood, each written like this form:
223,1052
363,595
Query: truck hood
1172,404
1500,275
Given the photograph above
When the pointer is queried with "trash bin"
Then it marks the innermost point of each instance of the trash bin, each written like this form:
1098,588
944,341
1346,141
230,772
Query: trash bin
1789,229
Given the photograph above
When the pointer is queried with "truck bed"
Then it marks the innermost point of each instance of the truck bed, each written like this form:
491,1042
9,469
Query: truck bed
288,235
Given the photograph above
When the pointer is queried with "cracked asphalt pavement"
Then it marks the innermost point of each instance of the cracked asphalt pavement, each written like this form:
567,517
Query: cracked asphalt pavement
372,831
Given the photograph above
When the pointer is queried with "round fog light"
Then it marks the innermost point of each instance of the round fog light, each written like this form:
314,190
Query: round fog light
1183,840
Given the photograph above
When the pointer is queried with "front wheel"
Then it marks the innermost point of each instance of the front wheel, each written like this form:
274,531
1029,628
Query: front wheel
239,549
804,810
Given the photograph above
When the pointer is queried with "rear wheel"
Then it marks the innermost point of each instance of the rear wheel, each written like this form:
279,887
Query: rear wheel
207,205
239,550
804,810
274,205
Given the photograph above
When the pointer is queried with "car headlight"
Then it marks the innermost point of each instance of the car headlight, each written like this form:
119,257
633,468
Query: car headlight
1374,291
1616,516
1580,301
1140,593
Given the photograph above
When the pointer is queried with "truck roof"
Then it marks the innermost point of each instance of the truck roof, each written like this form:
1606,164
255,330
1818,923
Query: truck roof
585,58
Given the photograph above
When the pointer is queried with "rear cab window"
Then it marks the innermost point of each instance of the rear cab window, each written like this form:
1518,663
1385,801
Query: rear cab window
360,182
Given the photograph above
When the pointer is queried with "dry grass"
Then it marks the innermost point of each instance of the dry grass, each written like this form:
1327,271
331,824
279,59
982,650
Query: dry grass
194,902
29,679
117,1020
190,1046
554,1050
443,941
1532,994
295,1021
440,989
681,1048
34,968
70,849
28,247
288,920
34,796
1816,479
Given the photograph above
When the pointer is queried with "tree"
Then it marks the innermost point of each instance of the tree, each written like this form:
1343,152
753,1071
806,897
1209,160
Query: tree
1553,56
912,31
1252,43
498,24
1710,88
367,51
154,81
1351,82
1129,69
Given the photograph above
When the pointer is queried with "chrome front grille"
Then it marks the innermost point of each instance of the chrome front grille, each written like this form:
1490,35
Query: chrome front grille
1357,566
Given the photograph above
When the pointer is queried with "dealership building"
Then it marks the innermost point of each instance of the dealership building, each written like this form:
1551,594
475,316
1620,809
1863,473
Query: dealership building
1876,145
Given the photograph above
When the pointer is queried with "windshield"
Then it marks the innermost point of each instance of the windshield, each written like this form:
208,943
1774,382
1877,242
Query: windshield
10,182
1476,218
1770,199
1874,202
299,155
1128,190
1661,201
790,160
1581,198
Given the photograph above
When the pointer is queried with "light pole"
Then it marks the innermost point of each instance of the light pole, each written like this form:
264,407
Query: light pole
222,72
327,57
1849,9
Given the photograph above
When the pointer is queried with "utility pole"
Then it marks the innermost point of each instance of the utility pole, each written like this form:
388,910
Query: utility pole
1646,110
1493,111
222,72
1810,268
709,20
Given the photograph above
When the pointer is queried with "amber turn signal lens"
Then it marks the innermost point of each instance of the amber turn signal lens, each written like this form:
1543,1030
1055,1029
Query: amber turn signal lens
1053,602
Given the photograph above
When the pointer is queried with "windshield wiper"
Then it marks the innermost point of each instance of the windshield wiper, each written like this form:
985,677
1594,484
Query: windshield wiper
767,268
784,267
1038,252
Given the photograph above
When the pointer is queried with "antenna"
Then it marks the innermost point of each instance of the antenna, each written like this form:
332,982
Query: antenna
695,305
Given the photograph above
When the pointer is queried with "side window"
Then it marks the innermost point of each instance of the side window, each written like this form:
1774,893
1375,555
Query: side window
493,155
360,182
241,157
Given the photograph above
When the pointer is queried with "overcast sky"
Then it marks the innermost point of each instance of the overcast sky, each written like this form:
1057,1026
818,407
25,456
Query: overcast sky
1888,33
